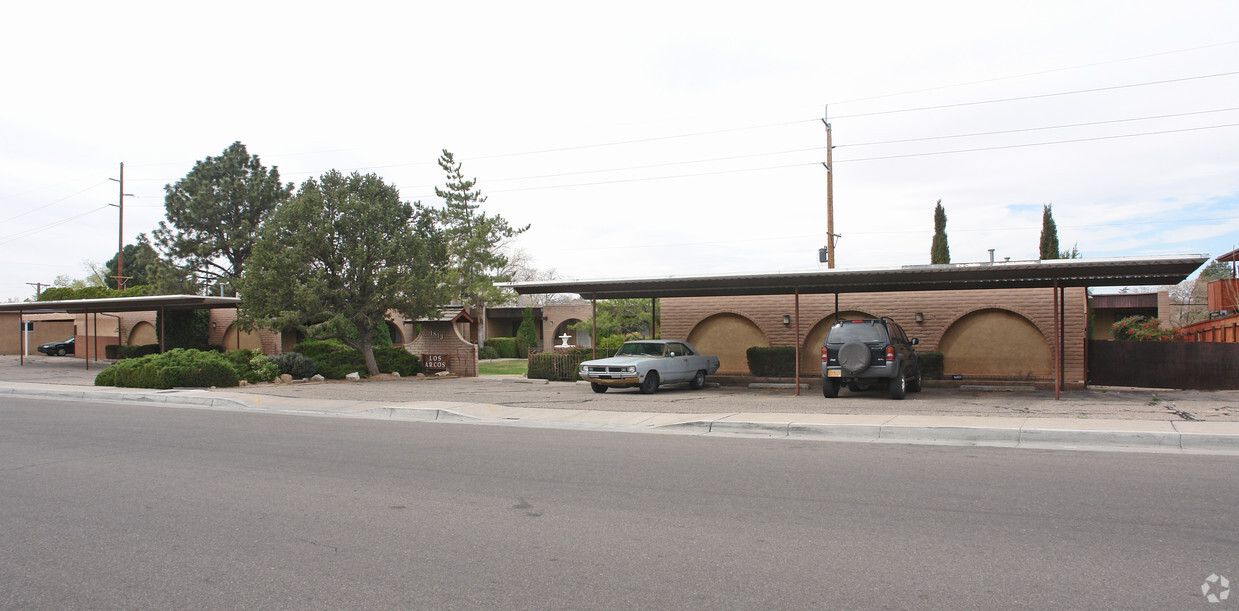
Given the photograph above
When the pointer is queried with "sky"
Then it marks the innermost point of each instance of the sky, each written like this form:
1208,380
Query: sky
643,139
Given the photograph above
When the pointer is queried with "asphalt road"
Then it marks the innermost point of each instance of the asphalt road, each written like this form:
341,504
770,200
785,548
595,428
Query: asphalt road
116,506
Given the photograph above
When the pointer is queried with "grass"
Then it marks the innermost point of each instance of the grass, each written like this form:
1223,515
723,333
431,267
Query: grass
513,367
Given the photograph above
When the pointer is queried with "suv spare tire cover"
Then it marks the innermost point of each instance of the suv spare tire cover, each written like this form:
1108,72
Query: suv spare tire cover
854,357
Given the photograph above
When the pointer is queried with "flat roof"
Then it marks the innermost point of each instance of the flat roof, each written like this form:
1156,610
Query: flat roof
1125,271
122,304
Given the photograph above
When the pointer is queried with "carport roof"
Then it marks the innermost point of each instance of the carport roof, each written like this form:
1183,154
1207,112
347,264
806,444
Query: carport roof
122,304
1127,271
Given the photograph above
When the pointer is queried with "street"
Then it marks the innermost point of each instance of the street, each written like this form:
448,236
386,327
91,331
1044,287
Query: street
110,506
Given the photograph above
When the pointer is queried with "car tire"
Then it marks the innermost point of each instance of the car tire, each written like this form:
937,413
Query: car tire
830,388
650,384
598,388
854,357
60,352
699,381
915,384
898,386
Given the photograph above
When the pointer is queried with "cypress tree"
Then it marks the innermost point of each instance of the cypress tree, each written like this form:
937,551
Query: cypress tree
939,252
1049,235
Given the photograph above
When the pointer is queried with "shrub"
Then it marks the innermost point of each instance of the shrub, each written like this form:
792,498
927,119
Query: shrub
1142,329
933,365
560,366
252,366
526,334
772,362
295,364
333,358
178,367
114,352
184,328
391,359
611,343
488,352
505,346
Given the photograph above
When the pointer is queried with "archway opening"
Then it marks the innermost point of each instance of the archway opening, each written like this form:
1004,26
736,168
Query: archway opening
249,340
996,342
143,334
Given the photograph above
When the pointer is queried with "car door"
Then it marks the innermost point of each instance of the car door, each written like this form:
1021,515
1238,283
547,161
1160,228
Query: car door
679,364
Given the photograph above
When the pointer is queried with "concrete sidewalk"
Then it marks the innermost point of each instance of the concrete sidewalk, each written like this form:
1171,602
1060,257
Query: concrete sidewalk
1008,431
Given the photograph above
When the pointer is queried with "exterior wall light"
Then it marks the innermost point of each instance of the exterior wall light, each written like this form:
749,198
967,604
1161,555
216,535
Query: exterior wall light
787,319
919,317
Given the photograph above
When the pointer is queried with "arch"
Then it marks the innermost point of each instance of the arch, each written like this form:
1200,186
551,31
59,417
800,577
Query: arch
397,335
249,339
728,336
580,339
811,351
996,341
142,334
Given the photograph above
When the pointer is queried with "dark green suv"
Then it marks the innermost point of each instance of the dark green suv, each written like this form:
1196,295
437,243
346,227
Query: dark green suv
870,353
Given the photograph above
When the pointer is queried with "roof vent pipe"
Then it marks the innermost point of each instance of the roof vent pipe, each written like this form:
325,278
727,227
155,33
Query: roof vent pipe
991,255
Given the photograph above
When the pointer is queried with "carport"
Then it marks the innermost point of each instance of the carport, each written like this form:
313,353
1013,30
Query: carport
1058,274
95,307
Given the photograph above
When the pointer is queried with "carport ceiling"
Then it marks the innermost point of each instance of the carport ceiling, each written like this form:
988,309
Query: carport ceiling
965,276
122,304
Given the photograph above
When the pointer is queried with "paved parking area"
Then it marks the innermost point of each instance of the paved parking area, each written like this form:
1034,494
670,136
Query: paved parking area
1098,403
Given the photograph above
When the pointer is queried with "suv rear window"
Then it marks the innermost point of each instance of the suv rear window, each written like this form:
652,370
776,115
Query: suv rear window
864,332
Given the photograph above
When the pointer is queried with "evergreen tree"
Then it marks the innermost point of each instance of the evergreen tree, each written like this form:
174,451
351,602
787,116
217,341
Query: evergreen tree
939,252
474,241
1049,235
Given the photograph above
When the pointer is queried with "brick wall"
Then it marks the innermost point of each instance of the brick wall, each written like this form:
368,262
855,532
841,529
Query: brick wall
441,337
941,310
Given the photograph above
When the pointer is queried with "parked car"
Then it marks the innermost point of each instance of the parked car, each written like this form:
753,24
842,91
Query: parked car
649,363
60,348
867,354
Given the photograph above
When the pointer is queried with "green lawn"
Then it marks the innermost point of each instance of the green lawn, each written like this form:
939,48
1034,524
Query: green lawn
512,367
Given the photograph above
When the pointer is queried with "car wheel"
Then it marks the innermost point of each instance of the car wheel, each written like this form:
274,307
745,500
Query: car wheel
854,357
650,384
915,384
699,381
898,386
598,388
830,388
60,352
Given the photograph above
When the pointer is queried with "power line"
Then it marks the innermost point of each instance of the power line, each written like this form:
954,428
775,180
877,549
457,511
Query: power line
1015,146
30,232
1034,97
1033,129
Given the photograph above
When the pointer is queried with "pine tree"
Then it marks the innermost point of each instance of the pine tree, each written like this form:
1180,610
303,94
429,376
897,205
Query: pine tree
939,252
1049,235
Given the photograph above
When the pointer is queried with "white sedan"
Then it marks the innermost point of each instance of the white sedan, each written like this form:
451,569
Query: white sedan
648,363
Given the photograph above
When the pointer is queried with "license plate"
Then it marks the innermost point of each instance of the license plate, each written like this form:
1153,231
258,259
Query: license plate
834,372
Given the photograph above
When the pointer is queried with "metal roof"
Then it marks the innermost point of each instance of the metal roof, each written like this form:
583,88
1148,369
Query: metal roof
1128,271
122,304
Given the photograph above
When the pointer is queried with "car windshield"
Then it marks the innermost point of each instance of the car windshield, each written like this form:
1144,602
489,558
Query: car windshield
640,349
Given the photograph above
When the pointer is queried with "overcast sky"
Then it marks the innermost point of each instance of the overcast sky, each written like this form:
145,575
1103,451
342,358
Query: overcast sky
644,139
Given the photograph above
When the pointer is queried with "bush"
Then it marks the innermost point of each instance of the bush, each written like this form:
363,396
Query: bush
526,334
933,365
252,365
488,352
559,366
1141,329
505,346
178,367
772,362
295,364
397,360
115,353
335,360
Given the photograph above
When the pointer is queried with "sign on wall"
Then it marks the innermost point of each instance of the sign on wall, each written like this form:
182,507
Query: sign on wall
437,362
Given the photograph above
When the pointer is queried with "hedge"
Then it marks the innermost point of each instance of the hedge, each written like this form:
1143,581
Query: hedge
559,366
116,353
505,346
932,365
777,362
335,360
175,368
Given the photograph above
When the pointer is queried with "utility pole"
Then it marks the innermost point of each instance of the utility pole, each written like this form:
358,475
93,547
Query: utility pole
830,195
120,236
38,288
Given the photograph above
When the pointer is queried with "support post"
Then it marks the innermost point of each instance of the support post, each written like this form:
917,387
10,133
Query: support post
1057,344
593,317
797,341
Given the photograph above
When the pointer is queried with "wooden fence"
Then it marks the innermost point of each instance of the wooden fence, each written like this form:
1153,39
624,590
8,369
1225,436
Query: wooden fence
1189,365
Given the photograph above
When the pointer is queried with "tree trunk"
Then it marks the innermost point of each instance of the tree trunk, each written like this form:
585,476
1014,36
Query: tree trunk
367,350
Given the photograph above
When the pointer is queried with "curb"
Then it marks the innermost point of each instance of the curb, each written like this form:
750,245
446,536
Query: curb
1028,436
